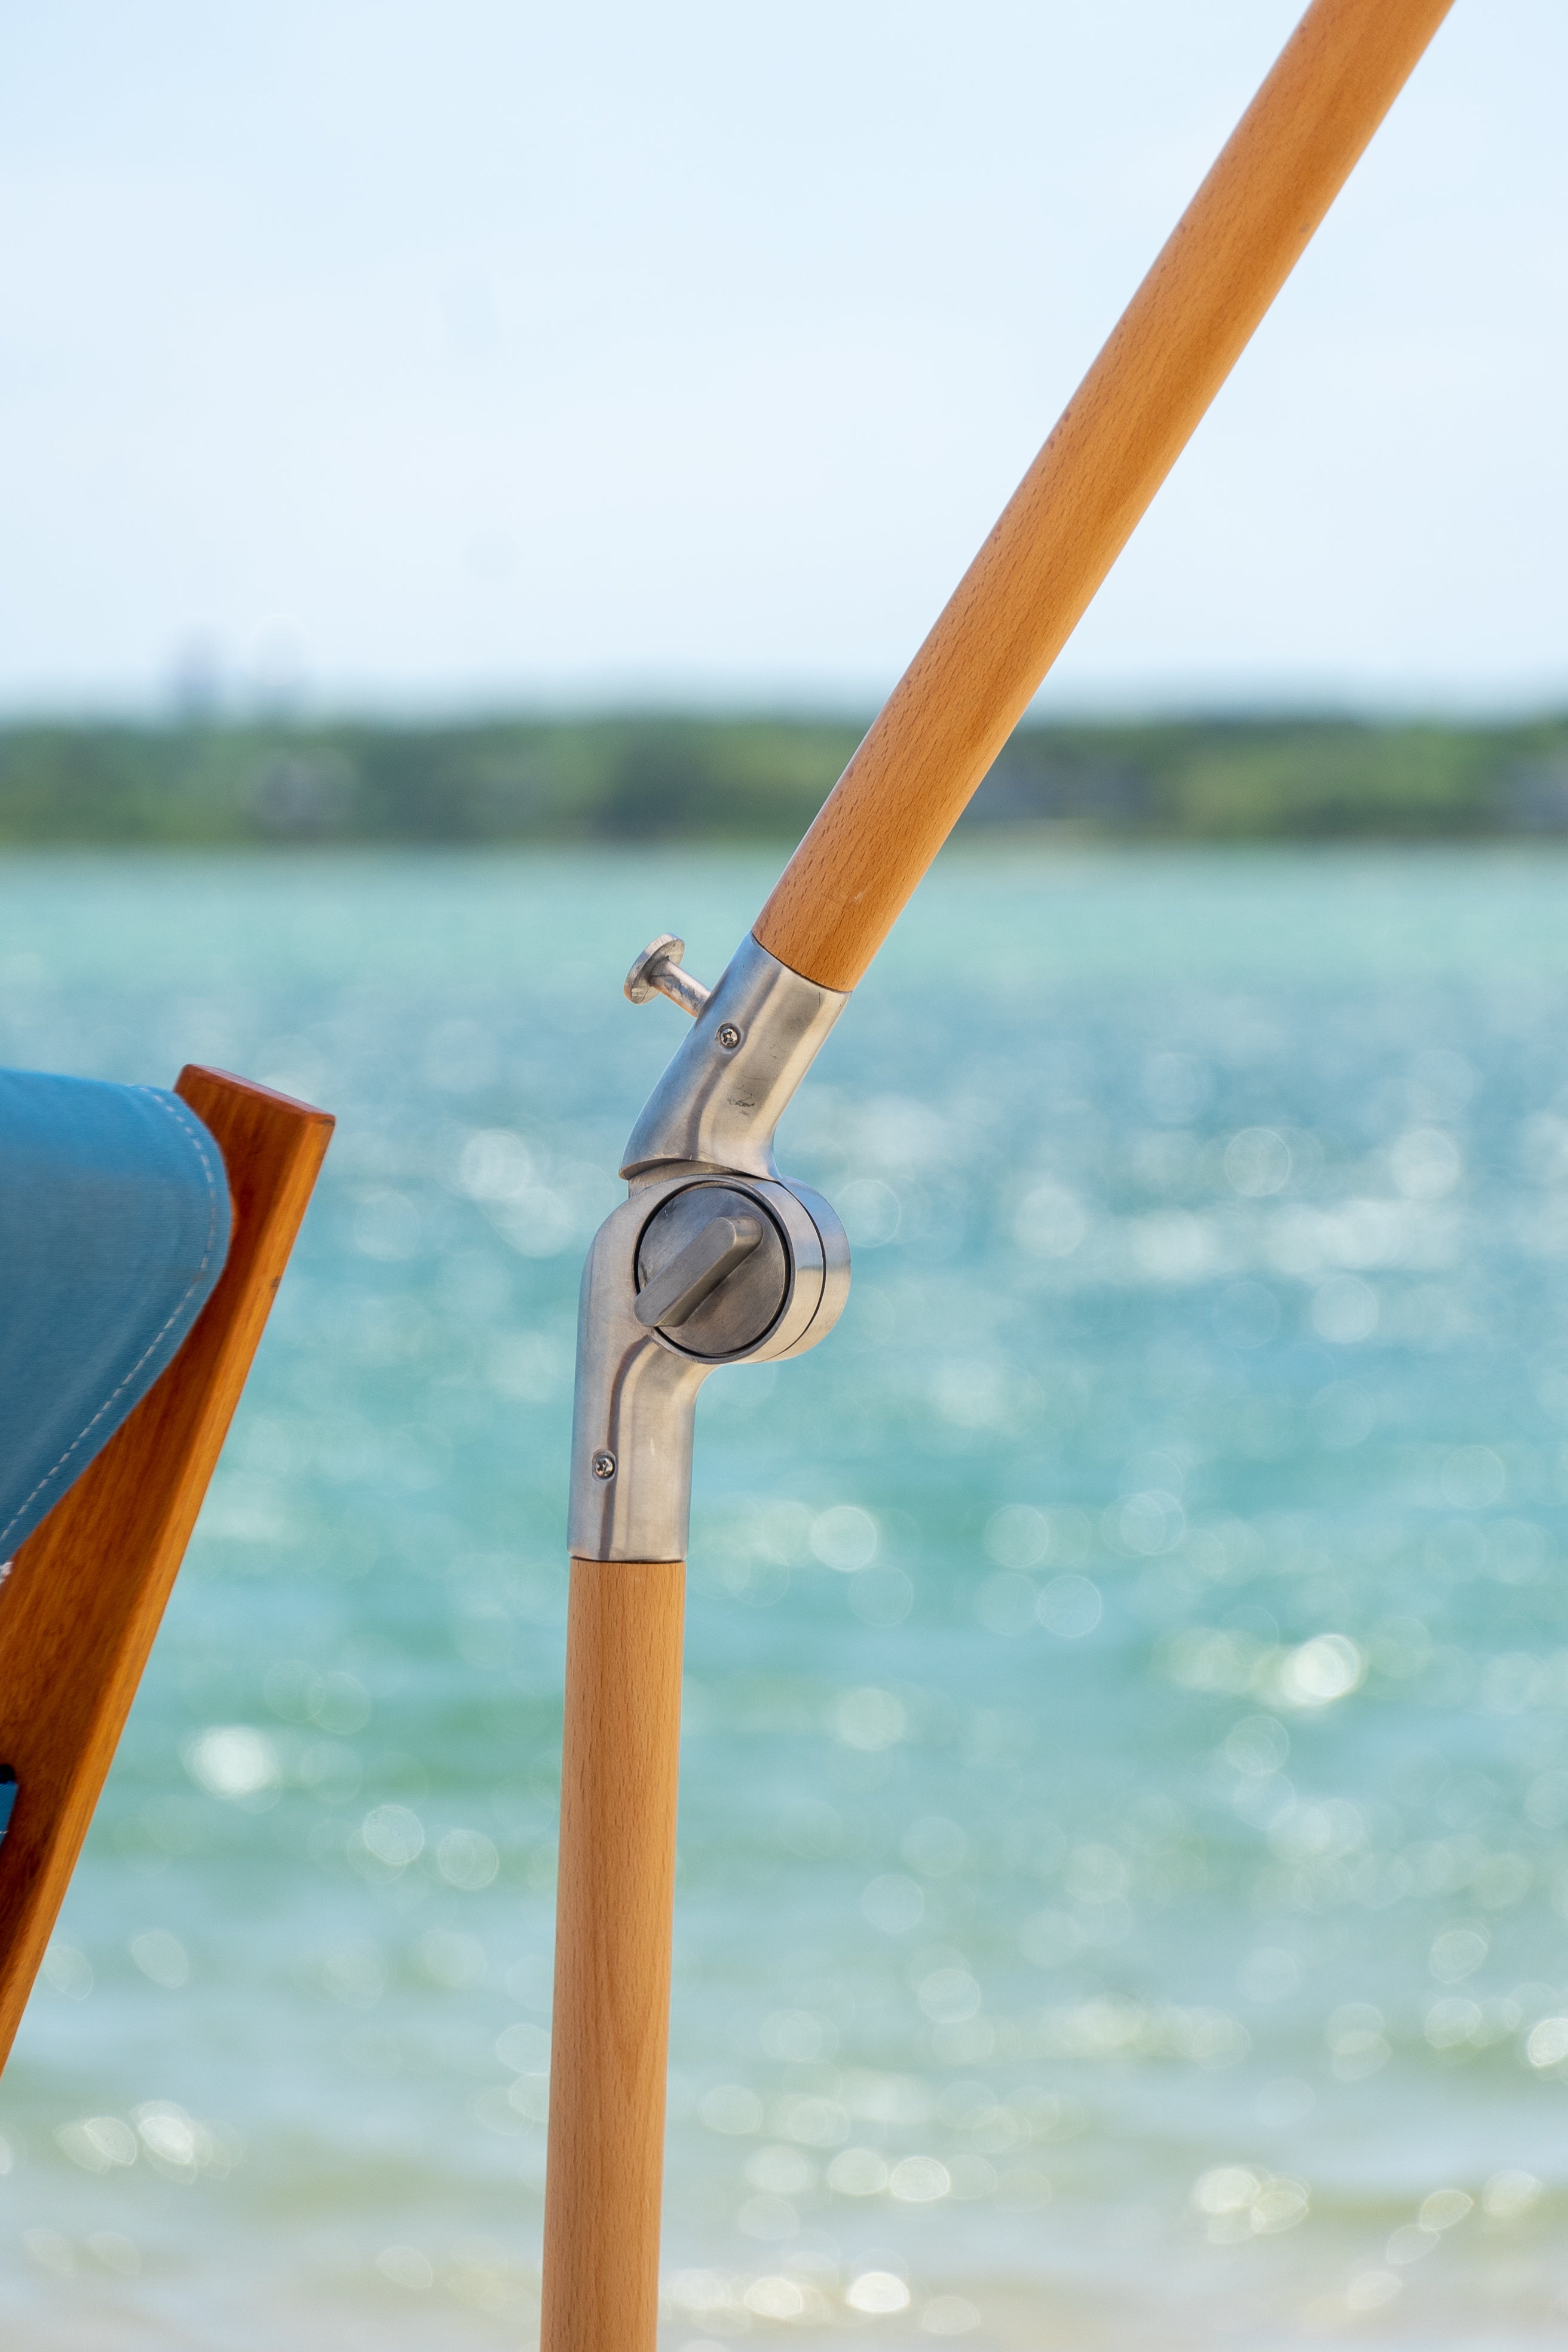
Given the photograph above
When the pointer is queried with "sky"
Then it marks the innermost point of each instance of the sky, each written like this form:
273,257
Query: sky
433,354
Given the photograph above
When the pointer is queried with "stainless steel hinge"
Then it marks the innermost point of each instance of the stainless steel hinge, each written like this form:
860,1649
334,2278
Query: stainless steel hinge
714,1258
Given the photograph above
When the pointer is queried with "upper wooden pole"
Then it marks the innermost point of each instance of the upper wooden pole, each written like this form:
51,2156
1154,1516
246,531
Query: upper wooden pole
1074,511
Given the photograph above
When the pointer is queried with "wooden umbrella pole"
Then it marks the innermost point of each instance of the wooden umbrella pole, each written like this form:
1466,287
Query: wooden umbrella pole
1069,517
617,1893
884,823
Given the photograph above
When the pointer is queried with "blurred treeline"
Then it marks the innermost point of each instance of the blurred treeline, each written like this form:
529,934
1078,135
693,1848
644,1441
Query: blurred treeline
644,778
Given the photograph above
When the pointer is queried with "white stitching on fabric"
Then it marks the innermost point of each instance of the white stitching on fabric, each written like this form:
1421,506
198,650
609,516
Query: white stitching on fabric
197,1136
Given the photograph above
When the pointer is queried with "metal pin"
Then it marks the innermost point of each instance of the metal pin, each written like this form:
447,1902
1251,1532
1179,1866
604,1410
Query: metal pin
658,967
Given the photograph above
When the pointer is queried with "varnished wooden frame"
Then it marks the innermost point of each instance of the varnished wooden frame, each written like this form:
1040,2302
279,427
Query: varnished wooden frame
88,1589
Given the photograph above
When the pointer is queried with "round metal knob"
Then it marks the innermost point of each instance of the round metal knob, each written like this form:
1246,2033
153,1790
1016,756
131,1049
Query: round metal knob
712,1230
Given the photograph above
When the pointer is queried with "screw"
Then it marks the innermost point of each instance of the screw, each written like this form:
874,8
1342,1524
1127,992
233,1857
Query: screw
729,1036
604,1465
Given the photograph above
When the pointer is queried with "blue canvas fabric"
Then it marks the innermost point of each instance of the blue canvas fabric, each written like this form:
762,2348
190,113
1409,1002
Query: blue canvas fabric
114,1225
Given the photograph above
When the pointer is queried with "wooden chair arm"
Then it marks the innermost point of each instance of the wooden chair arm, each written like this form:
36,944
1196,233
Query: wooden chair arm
87,1589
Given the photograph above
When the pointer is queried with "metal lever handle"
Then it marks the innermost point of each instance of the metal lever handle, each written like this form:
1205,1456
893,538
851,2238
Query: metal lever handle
677,1293
658,967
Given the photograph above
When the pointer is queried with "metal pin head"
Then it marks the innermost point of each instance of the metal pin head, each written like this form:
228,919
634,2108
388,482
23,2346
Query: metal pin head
603,1466
640,983
658,972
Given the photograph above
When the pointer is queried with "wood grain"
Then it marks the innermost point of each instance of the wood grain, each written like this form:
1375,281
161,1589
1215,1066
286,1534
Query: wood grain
610,2034
1021,598
83,1600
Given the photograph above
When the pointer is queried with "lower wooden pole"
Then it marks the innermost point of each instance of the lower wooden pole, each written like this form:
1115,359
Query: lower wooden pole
614,1910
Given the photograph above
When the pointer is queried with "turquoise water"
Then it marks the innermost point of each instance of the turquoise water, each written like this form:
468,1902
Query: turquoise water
1124,1841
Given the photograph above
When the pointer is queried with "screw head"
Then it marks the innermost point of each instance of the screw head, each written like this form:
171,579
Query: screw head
603,1466
729,1036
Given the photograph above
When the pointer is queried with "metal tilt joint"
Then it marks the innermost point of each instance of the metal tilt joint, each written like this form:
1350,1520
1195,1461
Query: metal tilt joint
714,1258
